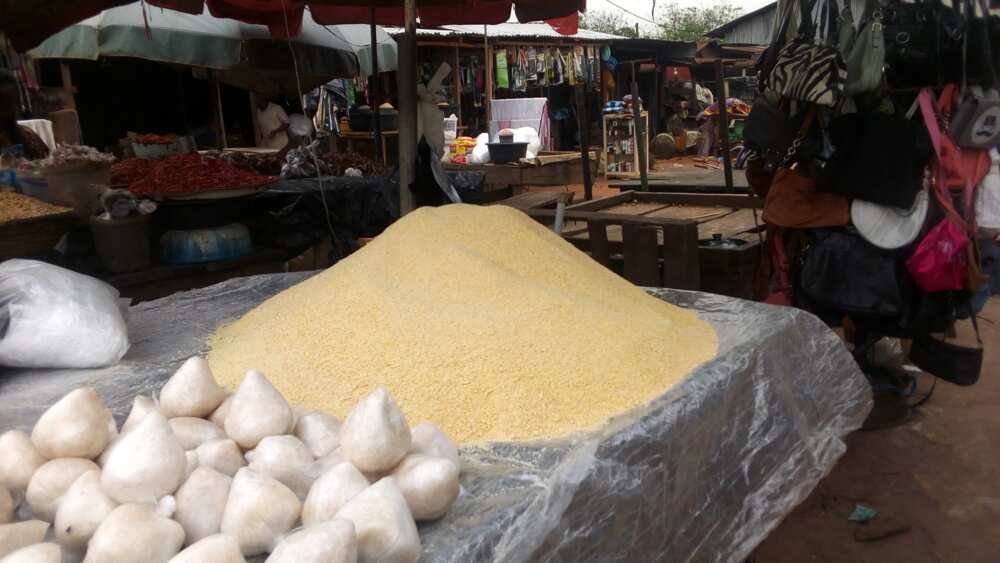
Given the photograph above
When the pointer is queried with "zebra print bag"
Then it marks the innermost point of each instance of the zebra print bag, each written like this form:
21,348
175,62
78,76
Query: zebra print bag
809,73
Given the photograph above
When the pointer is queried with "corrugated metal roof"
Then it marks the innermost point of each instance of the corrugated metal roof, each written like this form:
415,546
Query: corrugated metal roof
510,30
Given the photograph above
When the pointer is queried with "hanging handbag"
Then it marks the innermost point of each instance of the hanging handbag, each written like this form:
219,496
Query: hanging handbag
939,262
792,201
976,123
767,59
877,157
953,168
866,58
807,71
839,271
769,132
952,362
923,43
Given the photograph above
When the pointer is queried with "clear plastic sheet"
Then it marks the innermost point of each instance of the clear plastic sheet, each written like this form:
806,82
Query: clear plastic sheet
701,474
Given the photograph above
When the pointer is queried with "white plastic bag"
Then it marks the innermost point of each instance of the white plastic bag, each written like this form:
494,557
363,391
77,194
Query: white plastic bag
201,502
988,204
530,136
385,528
481,152
84,506
375,436
135,533
329,542
219,548
259,511
56,318
38,553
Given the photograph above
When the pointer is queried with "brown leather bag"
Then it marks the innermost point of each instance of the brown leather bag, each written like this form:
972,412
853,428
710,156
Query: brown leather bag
793,202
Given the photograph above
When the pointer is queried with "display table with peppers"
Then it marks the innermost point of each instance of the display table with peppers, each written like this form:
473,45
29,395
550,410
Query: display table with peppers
183,175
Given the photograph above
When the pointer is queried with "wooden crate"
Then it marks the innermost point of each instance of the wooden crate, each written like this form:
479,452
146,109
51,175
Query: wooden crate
654,239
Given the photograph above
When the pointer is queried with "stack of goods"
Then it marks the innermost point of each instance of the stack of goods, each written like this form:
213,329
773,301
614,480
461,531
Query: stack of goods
458,151
300,163
18,207
556,344
194,173
267,164
889,228
205,475
66,157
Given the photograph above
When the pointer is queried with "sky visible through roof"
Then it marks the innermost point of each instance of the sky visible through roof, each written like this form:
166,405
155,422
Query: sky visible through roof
640,9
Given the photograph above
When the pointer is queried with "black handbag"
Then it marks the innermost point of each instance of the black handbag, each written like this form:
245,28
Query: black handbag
960,365
923,43
839,271
877,157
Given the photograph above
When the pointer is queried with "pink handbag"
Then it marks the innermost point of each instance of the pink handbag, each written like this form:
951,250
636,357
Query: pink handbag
938,263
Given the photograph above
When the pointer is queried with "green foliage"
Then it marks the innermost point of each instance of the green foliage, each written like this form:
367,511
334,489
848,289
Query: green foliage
607,22
672,21
693,22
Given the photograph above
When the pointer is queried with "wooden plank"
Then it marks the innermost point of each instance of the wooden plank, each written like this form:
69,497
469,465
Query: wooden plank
610,218
681,267
636,208
642,257
598,204
738,222
693,212
533,200
706,200
597,233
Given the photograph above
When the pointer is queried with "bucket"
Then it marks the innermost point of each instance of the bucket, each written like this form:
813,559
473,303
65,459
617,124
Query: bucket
122,244
79,187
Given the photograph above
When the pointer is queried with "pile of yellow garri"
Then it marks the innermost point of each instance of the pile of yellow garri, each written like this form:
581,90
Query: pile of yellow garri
477,318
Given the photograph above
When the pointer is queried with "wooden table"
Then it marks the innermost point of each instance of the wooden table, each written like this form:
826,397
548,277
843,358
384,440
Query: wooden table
351,136
659,239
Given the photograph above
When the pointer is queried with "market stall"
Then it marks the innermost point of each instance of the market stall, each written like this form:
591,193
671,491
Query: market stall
703,472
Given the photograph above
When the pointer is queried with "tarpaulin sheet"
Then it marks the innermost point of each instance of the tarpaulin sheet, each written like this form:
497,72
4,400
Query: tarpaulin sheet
701,474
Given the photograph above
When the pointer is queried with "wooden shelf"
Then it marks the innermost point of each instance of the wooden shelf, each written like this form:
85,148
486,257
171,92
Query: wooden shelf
614,159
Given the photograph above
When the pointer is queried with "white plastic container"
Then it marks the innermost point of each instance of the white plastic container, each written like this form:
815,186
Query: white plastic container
450,128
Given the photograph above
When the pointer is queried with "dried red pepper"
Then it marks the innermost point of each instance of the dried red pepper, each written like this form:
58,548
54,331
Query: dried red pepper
194,173
130,170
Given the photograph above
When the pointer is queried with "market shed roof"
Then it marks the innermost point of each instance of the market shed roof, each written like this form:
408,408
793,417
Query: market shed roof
507,30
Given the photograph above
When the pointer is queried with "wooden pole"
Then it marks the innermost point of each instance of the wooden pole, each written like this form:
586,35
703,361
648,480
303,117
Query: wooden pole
488,83
217,107
720,88
407,76
582,122
373,86
640,135
457,84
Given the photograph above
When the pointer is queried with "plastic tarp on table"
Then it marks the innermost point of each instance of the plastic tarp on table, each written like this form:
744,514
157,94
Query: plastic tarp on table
701,474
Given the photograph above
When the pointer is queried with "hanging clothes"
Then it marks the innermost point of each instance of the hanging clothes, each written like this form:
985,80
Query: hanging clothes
502,77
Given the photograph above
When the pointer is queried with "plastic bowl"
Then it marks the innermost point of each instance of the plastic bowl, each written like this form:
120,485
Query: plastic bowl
507,152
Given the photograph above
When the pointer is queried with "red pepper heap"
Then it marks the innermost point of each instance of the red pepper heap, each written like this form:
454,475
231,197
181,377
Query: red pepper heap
194,173
131,170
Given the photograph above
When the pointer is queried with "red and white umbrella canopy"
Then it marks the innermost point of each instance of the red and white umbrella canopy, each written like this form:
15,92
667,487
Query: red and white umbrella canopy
29,23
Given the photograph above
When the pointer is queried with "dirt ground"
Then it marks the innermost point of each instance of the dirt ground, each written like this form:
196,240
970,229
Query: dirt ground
933,480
